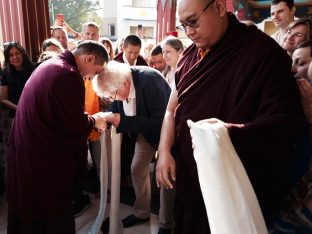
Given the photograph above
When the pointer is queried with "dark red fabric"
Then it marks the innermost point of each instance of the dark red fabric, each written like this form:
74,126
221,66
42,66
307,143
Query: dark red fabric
48,141
140,60
246,80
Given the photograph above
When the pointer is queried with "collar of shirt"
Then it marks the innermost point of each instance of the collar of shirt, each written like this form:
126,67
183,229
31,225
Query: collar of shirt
201,53
129,105
132,90
126,60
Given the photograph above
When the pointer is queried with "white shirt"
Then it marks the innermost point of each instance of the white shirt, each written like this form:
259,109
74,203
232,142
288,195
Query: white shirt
170,78
129,105
126,60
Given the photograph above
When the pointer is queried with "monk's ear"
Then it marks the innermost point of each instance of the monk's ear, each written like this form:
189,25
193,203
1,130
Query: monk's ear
90,59
220,6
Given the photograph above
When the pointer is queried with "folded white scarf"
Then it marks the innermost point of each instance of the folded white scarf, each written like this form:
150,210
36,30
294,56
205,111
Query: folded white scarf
231,203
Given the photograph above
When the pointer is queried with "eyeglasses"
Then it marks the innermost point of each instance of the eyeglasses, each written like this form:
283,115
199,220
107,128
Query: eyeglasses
111,98
192,23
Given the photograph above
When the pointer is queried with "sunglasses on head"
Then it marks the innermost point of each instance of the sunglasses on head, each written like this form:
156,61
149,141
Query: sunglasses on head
6,44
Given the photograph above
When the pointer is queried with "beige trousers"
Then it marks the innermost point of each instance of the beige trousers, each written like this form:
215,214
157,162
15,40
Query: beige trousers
143,155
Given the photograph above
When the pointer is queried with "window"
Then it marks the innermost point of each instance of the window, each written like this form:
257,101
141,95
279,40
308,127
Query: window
111,30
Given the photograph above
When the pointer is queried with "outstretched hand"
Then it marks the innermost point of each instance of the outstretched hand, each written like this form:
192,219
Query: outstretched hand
100,122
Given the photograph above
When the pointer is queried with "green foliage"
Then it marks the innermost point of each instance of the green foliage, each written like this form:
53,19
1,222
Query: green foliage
76,12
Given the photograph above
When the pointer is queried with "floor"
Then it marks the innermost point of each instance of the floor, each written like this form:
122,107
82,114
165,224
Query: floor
85,221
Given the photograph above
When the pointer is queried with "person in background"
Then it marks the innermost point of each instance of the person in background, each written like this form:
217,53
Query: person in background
45,55
90,31
108,46
16,71
2,151
141,96
52,44
50,48
119,45
254,97
131,52
172,48
47,144
296,216
60,34
282,14
140,32
157,59
147,52
297,32
302,58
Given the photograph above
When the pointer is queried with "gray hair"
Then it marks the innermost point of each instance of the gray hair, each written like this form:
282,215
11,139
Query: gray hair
111,78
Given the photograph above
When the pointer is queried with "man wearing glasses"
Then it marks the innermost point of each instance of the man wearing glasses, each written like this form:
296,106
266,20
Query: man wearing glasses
147,94
241,76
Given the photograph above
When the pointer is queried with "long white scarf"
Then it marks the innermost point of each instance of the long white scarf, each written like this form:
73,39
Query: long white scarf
231,203
110,150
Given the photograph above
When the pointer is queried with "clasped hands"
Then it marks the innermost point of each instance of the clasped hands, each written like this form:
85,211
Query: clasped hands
102,118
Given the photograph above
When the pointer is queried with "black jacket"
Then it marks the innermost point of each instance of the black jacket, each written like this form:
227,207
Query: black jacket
152,95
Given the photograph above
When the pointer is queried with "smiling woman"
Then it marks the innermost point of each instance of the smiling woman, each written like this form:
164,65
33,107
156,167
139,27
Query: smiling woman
16,71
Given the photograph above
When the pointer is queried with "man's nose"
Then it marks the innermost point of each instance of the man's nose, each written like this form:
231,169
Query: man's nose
275,16
294,69
291,37
190,31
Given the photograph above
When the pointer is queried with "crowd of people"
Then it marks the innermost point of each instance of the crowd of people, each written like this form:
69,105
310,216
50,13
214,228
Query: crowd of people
258,86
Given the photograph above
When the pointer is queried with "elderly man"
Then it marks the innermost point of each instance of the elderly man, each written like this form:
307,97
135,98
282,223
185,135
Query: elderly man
47,144
256,97
142,96
131,56
282,13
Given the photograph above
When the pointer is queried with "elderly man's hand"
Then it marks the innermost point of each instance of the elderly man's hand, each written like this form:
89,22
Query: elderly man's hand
100,122
114,120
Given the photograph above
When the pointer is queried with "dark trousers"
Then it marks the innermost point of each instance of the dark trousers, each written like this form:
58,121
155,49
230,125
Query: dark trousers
60,224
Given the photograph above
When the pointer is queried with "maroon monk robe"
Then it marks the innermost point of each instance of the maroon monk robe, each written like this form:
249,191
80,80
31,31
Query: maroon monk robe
47,142
140,60
245,79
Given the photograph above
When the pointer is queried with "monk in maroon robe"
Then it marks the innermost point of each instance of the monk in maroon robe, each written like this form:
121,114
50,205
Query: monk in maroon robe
241,76
48,140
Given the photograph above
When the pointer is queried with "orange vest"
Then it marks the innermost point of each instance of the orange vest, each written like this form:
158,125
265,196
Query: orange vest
92,106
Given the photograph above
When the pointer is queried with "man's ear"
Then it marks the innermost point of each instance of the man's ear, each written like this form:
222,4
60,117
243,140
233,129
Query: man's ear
220,6
127,83
90,58
293,10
